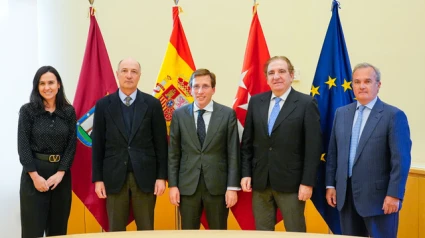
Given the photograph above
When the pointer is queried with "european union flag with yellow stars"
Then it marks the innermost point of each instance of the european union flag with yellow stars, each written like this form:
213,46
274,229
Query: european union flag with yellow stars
332,89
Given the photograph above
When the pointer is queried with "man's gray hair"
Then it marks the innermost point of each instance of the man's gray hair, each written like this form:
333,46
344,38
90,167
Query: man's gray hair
367,65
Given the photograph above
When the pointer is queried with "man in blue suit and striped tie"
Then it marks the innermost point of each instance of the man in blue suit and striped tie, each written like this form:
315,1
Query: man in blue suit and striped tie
368,160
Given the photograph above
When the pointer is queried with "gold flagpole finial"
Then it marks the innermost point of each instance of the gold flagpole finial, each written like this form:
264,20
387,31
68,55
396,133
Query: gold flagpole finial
91,9
255,7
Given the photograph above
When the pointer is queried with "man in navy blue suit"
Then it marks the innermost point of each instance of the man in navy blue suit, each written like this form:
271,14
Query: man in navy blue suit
368,160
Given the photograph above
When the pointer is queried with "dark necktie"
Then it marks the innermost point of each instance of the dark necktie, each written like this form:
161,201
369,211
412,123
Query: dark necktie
200,130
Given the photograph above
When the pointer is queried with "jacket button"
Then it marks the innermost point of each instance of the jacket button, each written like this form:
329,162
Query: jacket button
270,148
129,147
125,162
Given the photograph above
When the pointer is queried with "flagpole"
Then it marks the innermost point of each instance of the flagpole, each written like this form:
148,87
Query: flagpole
177,223
332,5
101,228
91,7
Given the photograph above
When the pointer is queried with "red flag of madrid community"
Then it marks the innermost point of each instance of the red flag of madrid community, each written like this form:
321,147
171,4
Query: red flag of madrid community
172,87
252,81
96,81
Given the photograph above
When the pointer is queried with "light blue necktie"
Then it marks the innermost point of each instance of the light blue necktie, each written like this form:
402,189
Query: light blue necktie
274,114
355,134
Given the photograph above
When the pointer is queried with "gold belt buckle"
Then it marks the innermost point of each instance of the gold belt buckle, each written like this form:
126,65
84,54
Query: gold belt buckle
54,158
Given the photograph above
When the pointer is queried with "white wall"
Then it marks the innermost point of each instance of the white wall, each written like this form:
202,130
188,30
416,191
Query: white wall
389,34
18,63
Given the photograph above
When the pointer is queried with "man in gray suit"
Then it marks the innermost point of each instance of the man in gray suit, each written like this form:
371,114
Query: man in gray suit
203,164
368,160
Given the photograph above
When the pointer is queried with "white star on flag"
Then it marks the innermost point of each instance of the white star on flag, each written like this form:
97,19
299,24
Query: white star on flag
242,85
245,106
241,82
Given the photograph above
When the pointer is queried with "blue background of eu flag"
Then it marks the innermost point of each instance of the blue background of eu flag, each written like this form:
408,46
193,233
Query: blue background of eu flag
332,89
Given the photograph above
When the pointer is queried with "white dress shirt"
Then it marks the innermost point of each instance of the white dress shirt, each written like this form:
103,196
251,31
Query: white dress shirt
272,101
123,96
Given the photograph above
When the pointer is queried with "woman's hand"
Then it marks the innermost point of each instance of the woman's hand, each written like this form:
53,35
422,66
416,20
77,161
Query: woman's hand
55,179
39,182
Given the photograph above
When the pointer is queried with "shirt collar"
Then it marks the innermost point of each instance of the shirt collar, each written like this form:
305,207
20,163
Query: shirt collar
123,96
208,107
284,96
59,112
369,105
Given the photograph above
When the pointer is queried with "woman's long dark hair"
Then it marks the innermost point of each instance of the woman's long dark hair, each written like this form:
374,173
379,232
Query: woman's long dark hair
37,100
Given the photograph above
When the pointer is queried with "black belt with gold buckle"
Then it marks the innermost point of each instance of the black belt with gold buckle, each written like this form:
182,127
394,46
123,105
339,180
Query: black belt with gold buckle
48,157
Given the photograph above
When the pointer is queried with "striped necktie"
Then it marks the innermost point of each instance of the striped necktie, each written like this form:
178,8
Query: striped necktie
355,135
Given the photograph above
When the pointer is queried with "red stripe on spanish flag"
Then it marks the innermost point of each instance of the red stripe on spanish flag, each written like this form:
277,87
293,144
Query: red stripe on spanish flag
179,41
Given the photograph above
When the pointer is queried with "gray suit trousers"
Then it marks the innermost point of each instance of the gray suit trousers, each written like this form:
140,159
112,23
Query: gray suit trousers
265,204
118,206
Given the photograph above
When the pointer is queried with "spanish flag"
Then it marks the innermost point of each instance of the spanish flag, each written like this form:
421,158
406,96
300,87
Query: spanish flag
172,87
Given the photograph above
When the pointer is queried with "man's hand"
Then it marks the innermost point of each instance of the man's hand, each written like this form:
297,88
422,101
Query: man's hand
174,196
39,182
159,187
331,196
391,205
55,179
99,188
305,192
246,184
231,198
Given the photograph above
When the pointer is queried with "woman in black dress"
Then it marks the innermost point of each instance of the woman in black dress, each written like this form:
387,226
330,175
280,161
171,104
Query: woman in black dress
46,147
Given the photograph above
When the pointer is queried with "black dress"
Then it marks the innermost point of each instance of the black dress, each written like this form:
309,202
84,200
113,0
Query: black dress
46,133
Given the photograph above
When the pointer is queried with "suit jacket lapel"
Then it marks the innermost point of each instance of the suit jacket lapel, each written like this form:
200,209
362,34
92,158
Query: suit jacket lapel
215,121
140,108
264,111
348,115
189,123
374,117
116,114
288,106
